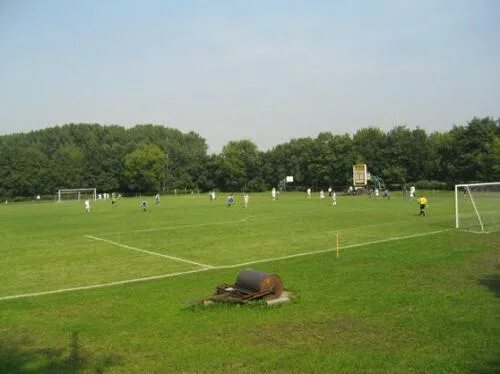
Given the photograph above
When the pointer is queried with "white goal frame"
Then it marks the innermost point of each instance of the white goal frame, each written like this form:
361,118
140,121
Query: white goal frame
78,191
471,197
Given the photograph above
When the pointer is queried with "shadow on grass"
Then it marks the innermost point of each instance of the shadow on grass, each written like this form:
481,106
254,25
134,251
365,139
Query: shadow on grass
19,356
492,282
491,368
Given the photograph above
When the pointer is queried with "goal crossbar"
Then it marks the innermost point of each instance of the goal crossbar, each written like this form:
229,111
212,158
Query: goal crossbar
477,184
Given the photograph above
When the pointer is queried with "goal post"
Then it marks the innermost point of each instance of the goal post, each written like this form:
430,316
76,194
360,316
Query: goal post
477,206
72,194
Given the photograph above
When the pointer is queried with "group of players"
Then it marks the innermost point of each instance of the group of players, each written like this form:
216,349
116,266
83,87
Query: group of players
275,194
422,201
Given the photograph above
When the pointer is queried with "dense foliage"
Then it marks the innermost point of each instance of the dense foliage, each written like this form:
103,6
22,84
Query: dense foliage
149,158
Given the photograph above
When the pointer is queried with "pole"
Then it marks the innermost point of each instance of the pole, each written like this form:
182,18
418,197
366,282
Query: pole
338,245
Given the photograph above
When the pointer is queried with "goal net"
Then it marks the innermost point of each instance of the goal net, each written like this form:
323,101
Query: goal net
477,207
76,194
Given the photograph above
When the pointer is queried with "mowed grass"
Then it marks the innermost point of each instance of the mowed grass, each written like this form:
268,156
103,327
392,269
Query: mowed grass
415,303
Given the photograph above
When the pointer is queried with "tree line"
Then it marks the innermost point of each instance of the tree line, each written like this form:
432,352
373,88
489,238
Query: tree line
151,158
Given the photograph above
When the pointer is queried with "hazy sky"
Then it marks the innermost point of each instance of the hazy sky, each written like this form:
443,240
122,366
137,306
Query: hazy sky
264,70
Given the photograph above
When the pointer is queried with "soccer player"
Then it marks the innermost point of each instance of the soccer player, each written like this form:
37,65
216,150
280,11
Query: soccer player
422,202
321,194
157,198
412,192
334,199
144,205
309,193
273,193
87,206
246,199
387,194
230,200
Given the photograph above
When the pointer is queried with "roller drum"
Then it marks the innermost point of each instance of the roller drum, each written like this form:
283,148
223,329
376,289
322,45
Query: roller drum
258,281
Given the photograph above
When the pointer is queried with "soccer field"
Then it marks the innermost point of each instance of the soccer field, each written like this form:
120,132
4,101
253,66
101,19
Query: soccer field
107,291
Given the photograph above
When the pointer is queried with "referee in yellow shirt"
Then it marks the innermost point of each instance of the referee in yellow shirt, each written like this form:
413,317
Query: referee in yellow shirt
422,202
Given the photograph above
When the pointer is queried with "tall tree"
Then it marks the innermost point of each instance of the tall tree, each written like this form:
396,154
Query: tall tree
112,157
23,172
239,165
68,168
472,149
370,147
145,168
495,156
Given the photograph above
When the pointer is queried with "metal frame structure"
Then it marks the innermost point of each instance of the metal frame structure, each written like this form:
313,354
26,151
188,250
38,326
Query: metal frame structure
466,186
78,191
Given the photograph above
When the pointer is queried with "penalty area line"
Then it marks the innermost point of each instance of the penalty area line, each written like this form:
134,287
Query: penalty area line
332,249
148,252
103,285
207,268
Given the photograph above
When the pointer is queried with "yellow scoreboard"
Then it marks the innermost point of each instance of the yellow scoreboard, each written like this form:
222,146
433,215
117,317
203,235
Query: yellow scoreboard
359,175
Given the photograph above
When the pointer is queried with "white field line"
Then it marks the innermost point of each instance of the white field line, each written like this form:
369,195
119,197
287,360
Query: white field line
332,249
206,268
102,285
148,252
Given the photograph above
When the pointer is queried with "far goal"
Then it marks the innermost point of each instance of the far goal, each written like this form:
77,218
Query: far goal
477,207
76,194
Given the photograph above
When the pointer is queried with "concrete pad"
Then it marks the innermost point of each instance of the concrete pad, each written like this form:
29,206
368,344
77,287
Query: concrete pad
284,298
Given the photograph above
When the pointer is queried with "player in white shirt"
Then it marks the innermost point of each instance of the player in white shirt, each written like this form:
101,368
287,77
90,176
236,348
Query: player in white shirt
87,206
321,194
412,192
273,193
334,198
309,193
246,199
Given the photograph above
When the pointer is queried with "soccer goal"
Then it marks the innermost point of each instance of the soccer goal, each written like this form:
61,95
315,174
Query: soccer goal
477,207
76,194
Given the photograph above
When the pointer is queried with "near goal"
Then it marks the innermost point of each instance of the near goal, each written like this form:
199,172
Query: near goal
76,194
477,207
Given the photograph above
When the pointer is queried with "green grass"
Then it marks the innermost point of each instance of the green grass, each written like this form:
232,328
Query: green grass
424,304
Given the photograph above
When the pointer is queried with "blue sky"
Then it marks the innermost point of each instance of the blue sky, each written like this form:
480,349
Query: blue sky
267,71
